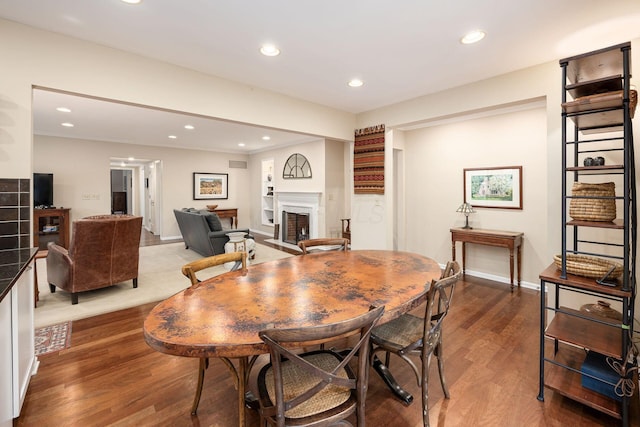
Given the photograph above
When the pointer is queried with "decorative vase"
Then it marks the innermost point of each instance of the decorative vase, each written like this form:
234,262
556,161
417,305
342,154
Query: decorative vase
602,309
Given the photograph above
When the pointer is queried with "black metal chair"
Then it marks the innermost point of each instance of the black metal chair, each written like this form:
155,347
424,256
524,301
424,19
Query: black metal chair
420,335
318,387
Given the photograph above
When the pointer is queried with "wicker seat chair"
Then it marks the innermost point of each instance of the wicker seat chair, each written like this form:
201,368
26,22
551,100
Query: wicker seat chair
318,387
422,336
190,270
323,244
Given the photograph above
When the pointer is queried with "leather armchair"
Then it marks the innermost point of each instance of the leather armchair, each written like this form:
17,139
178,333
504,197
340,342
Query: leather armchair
104,251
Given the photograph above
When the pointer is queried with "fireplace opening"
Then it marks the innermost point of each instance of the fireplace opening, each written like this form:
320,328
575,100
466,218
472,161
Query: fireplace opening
295,227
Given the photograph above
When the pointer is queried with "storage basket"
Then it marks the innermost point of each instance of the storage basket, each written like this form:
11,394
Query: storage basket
599,209
588,266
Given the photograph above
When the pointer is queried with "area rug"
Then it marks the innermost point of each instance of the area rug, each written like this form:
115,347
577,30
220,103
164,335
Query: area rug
52,338
159,277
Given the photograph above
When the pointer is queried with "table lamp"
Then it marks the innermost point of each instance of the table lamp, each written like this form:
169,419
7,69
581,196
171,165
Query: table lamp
466,209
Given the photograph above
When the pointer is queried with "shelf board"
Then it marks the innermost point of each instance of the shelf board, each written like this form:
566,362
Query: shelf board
594,168
605,339
552,275
598,85
569,383
617,224
600,121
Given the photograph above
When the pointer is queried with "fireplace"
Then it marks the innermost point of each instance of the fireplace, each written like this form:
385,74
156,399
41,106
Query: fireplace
295,227
297,211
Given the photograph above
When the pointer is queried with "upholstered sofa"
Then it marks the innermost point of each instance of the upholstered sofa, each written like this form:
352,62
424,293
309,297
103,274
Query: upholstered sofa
104,250
202,231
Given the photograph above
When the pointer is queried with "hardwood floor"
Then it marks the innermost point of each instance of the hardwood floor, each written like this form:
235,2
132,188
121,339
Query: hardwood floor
109,376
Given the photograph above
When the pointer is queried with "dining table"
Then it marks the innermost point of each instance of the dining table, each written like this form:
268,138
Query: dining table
220,317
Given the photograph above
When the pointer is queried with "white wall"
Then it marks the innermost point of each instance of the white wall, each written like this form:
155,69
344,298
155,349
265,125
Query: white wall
35,57
83,167
435,158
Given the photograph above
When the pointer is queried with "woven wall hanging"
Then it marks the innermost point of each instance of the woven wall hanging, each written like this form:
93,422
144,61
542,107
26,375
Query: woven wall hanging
368,160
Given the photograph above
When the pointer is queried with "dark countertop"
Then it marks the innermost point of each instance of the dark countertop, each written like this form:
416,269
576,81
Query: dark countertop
12,263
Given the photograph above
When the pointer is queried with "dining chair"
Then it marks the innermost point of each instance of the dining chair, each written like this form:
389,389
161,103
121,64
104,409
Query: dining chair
323,244
189,270
318,387
420,335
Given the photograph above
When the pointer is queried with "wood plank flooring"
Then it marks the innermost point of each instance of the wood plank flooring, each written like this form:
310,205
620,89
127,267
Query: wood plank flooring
109,376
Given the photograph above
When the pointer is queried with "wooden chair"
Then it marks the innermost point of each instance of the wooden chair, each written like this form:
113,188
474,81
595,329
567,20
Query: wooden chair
318,387
323,244
190,270
422,336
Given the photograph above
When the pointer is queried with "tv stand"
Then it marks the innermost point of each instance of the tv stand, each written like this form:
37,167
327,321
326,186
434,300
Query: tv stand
50,225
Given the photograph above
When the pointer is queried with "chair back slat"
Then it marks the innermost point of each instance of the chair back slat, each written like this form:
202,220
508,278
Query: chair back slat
323,244
190,269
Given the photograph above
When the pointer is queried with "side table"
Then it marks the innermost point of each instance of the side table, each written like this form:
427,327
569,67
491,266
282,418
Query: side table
506,239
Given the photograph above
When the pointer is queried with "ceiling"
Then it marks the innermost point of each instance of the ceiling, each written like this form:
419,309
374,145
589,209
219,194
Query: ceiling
401,50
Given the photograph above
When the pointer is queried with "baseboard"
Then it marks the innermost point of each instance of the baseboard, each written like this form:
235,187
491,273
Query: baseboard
500,279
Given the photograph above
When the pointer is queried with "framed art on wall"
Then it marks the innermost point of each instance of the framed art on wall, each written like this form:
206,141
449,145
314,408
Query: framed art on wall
495,187
207,186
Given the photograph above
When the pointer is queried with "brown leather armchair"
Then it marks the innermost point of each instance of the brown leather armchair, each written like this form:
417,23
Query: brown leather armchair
104,250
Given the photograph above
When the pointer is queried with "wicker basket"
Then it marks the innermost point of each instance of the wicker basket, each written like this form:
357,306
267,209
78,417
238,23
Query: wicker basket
588,266
603,210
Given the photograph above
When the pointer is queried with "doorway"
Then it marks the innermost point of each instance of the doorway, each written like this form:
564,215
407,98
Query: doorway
121,191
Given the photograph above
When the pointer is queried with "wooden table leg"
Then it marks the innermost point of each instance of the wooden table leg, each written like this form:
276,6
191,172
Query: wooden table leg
511,266
453,250
519,263
464,257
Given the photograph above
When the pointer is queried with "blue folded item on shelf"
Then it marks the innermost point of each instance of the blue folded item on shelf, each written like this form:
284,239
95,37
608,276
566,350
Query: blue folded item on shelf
596,364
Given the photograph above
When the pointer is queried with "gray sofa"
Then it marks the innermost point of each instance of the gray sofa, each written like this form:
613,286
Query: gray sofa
202,231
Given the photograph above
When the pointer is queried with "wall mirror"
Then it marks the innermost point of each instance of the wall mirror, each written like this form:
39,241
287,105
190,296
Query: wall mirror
296,166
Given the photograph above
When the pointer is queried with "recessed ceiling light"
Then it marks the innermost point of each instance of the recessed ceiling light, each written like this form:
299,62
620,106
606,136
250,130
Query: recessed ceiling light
266,138
123,164
355,83
172,137
269,50
63,109
67,125
190,127
241,144
132,1
473,37
131,159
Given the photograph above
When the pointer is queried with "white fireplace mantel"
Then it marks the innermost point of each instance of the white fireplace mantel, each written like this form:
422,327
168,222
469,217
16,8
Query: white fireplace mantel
300,202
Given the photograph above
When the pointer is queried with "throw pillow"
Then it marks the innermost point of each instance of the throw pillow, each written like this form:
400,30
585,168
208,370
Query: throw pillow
212,220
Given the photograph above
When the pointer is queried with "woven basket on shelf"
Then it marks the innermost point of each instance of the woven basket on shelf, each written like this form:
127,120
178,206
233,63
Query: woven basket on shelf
588,266
593,209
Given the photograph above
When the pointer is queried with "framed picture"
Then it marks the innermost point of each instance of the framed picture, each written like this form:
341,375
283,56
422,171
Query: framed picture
499,187
208,186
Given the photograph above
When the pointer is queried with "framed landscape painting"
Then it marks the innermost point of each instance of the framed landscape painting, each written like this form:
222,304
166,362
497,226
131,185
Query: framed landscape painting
207,186
499,187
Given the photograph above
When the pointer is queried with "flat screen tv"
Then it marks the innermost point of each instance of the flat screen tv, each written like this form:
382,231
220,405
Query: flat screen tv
42,190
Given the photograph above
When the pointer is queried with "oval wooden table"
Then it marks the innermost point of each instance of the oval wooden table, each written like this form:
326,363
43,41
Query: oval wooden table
221,317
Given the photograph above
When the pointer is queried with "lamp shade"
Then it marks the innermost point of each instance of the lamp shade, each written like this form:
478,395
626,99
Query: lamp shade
465,208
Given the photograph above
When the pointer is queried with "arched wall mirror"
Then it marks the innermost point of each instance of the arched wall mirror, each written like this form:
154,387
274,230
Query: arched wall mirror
296,166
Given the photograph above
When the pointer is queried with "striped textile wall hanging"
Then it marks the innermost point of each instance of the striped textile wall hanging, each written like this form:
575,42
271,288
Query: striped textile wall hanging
368,160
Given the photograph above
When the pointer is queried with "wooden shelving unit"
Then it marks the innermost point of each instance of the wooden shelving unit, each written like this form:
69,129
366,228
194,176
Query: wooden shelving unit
50,225
596,120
